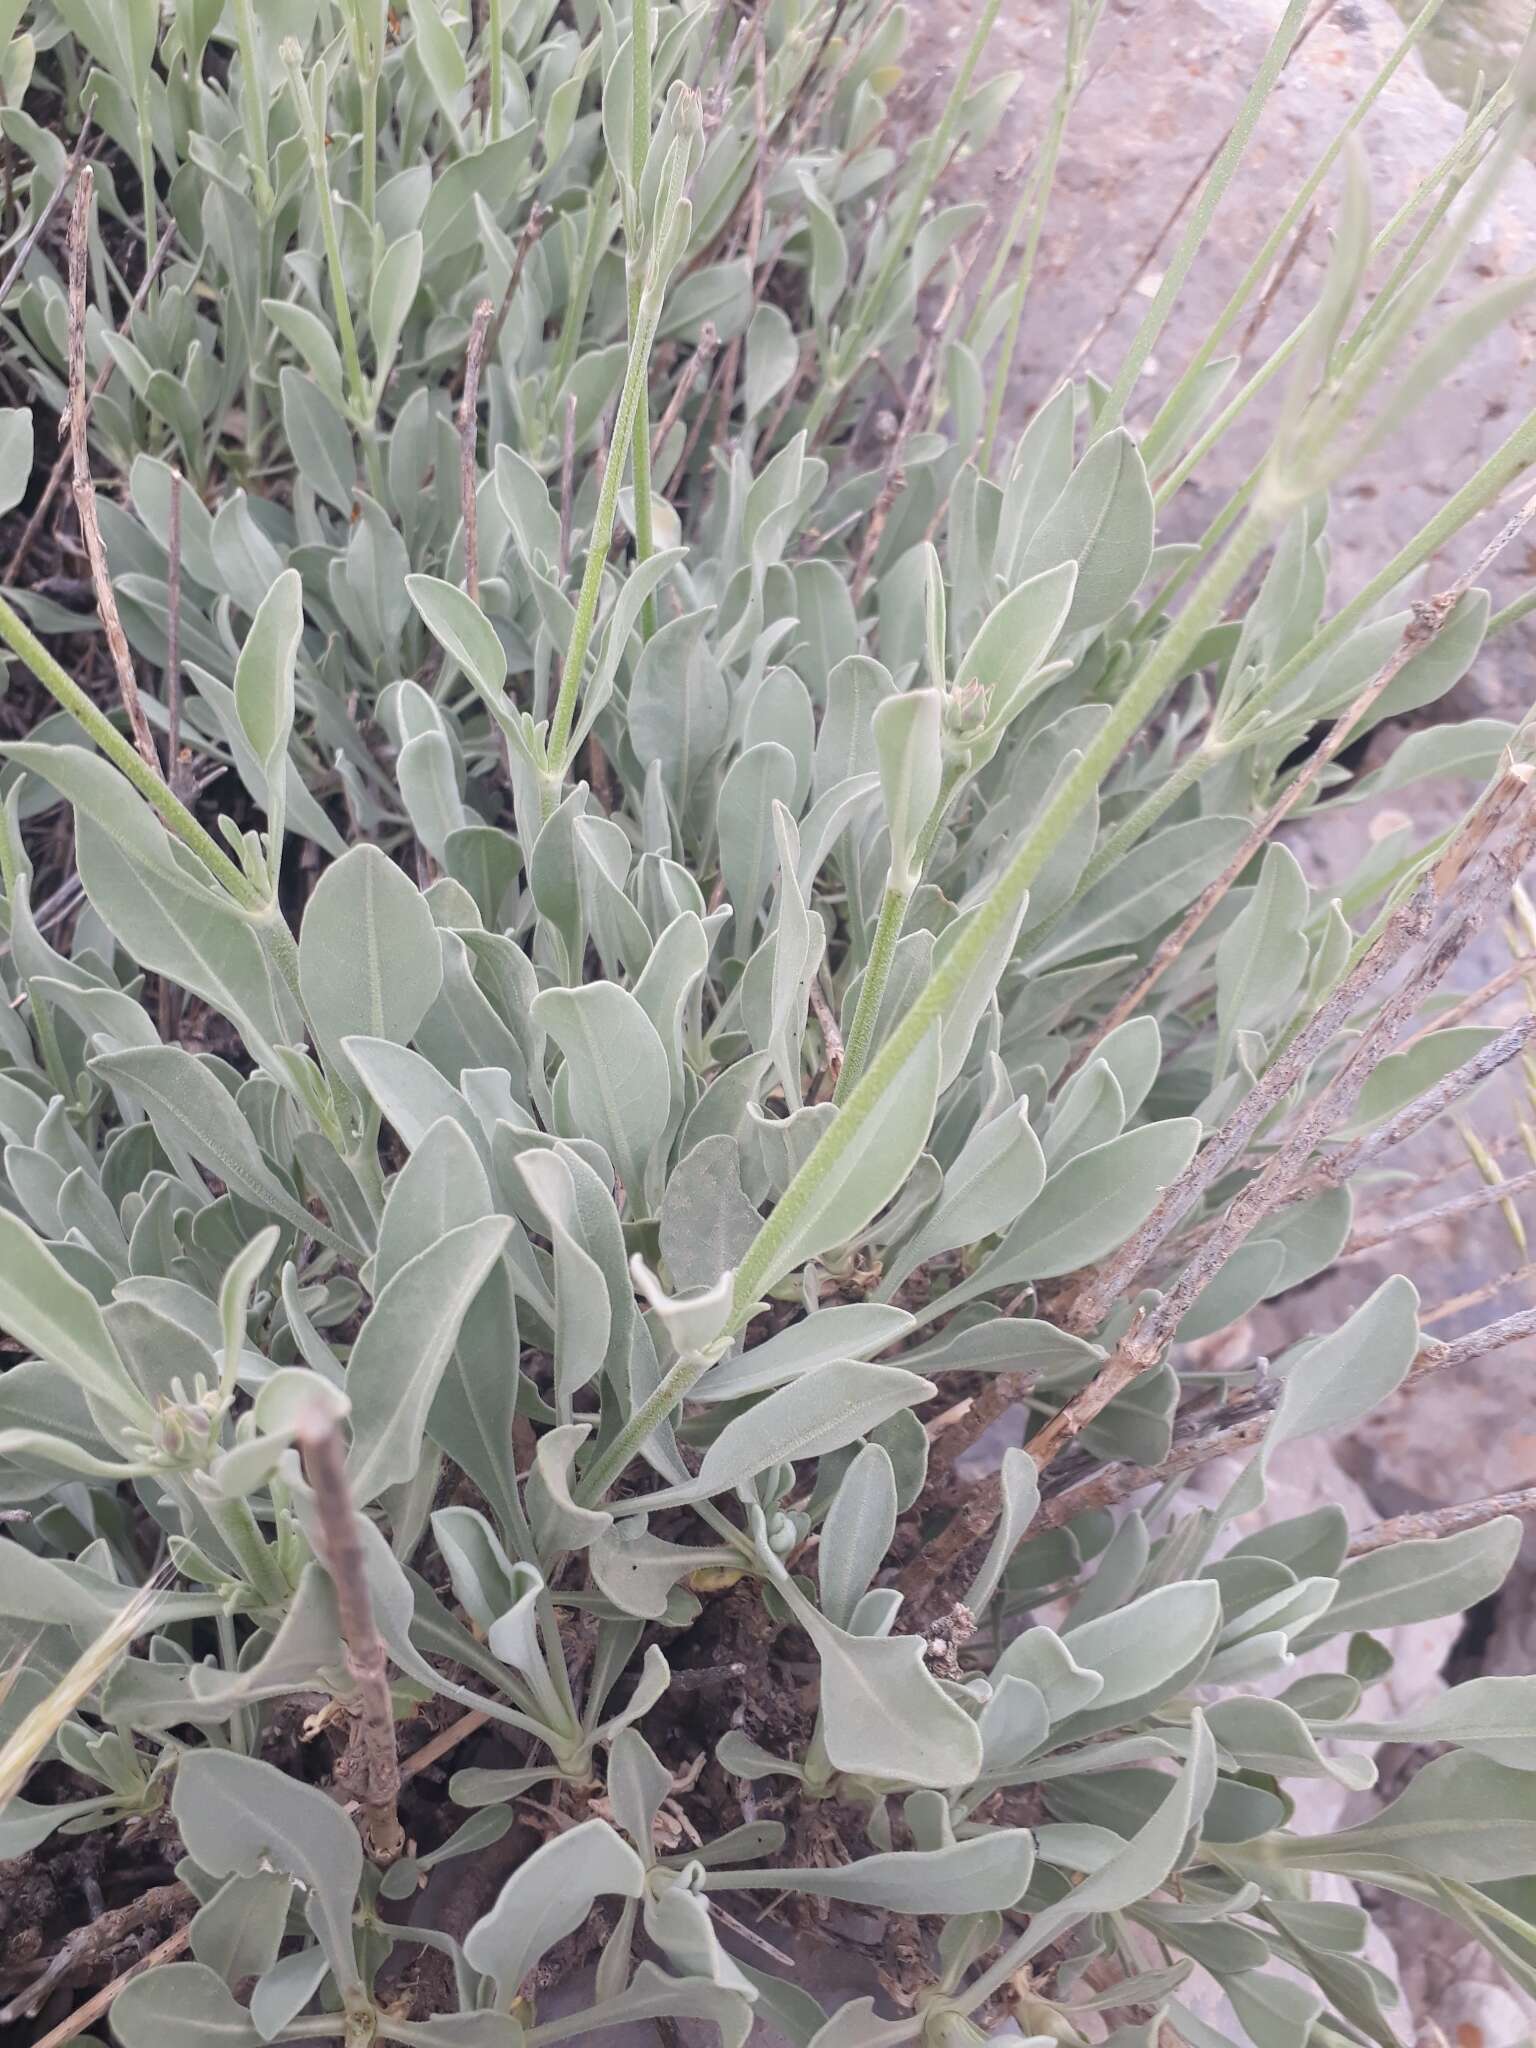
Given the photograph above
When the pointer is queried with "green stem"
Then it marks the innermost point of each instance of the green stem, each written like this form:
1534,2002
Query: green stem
1038,198
581,293
1259,269
66,691
253,106
1474,496
640,149
147,182
673,1390
1233,150
877,972
314,138
369,190
852,351
1138,702
602,536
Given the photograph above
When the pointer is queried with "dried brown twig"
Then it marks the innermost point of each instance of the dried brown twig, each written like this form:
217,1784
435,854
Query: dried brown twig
367,1660
96,1939
1477,868
34,233
1425,625
50,489
85,490
1471,1514
1370,1235
468,426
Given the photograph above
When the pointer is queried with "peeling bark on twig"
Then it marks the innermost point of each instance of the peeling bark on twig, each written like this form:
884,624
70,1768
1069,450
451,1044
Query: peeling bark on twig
367,1660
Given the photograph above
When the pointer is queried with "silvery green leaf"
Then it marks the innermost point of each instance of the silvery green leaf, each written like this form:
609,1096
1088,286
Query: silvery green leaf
707,1223
1040,1656
1462,1817
1171,869
1491,1717
1331,1383
1418,1580
653,1995
679,707
988,1872
547,1897
1013,1723
238,1933
318,433
637,1571
617,1078
845,1330
391,296
479,1569
459,626
369,961
1020,1484
239,1817
583,1313
908,733
441,1186
845,746
1144,1652
53,1316
856,1534
1014,644
772,356
181,2005
1403,1076
983,1342
1276,2012
1103,521
998,1173
314,341
1263,953
264,694
16,453
1090,1207
558,1524
24,1825
410,1092
403,1348
192,1110
798,942
173,916
873,1168
1266,1735
965,1011
753,783
1146,1861
814,1414
884,1714
282,1994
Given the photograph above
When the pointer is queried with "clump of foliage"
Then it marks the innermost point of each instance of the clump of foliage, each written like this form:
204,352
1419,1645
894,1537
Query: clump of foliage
646,901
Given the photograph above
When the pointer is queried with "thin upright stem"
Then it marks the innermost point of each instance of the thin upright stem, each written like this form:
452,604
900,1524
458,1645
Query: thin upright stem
66,691
1140,699
640,147
1112,411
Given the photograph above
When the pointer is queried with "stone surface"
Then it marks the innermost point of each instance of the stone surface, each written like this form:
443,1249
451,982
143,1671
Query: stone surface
1166,79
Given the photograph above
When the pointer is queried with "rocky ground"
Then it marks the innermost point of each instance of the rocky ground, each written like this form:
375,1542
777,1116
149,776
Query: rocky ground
1167,78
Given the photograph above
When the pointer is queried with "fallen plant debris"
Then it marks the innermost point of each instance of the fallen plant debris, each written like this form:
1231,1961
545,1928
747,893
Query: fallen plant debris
625,927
